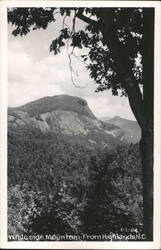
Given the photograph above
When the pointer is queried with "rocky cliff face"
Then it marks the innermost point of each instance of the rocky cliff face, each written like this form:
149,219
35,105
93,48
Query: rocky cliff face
62,114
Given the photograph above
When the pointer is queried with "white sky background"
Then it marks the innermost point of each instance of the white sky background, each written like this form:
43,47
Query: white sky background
34,72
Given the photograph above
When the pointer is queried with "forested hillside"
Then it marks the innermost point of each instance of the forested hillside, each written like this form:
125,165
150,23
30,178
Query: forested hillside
61,184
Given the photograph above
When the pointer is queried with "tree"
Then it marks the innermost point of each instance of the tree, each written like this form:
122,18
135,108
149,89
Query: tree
114,39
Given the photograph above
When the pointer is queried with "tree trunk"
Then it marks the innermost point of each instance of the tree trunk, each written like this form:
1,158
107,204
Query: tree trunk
141,104
146,144
146,147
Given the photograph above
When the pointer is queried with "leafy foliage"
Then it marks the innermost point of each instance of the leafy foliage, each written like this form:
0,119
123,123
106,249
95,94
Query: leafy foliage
30,18
127,23
57,185
115,194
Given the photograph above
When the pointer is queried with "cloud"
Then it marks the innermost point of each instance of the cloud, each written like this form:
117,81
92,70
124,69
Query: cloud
31,77
20,94
102,106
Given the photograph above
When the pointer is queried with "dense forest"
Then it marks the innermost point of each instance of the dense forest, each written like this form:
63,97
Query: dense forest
61,184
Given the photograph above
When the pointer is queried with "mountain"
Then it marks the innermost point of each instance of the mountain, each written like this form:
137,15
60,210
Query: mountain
64,167
56,103
105,118
67,115
131,129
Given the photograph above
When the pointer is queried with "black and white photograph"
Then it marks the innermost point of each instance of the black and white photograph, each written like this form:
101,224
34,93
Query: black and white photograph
81,98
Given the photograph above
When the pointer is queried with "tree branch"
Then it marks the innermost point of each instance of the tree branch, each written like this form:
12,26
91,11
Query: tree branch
123,68
84,18
127,77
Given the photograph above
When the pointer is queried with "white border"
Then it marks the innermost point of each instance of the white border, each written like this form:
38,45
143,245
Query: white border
3,128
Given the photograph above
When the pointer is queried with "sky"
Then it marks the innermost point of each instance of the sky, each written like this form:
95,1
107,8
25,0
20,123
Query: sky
34,72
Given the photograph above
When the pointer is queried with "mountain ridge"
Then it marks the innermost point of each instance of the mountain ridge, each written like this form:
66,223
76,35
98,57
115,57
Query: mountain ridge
58,102
66,115
130,128
70,115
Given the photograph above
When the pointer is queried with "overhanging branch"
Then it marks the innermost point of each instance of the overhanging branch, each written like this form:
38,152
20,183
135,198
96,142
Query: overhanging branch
85,18
107,27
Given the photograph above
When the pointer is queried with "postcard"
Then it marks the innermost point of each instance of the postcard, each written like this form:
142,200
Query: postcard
80,124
